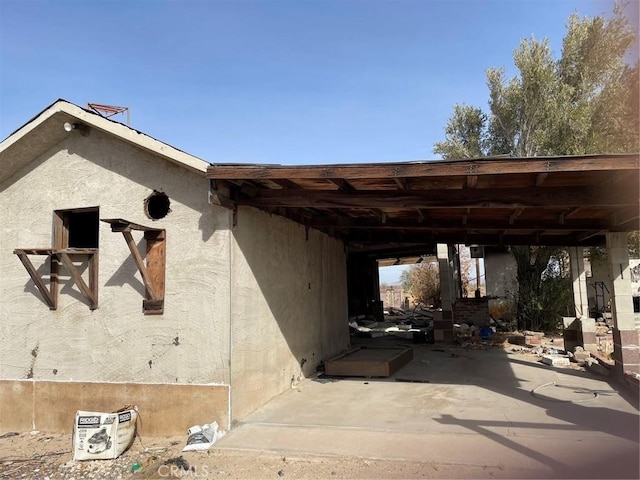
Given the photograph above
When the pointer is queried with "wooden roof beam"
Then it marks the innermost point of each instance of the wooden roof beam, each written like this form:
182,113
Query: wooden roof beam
454,224
572,211
465,217
380,214
473,238
515,214
285,183
621,216
342,184
220,194
584,238
493,198
402,183
540,178
484,166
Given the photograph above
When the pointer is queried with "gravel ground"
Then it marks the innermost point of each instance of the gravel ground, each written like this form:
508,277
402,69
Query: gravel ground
42,456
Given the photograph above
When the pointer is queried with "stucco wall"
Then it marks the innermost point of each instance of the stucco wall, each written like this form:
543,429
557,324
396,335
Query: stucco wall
188,344
289,306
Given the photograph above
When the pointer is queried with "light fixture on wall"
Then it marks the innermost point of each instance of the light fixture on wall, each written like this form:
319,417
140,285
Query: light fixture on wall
420,259
81,127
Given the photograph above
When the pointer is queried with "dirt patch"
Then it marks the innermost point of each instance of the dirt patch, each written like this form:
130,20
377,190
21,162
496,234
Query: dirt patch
43,456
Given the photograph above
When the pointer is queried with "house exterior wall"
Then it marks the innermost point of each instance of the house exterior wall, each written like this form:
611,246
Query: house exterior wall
288,306
115,347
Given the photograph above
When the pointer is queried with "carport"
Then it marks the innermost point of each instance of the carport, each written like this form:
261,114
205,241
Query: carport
416,208
454,413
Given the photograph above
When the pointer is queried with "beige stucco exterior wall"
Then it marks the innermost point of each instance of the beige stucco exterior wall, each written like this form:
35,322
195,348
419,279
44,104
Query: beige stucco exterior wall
288,306
188,344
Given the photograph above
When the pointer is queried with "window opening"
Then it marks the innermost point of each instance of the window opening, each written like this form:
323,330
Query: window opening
83,229
75,240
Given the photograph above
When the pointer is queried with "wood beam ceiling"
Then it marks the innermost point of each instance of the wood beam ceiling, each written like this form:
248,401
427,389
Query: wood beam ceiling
485,198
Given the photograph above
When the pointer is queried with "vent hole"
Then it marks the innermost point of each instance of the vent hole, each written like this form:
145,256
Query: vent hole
157,205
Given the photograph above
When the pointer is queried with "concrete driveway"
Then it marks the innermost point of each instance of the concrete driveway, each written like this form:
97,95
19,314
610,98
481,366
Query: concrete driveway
503,412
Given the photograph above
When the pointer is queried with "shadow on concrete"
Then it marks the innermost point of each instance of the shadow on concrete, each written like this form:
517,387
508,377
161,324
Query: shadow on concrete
568,401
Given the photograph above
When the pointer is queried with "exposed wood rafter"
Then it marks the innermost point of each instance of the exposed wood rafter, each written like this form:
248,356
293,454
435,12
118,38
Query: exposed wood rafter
540,178
556,200
402,183
284,183
514,215
498,198
341,184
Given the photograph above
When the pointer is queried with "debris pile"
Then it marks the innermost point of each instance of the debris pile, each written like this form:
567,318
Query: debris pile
397,322
604,338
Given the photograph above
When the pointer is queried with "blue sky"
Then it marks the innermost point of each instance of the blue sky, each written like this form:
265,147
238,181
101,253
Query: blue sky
288,82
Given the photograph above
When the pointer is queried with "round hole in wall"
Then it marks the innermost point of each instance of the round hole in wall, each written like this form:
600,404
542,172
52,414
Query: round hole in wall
157,205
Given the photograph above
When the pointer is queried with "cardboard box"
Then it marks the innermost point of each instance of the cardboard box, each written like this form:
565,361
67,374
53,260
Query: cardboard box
100,436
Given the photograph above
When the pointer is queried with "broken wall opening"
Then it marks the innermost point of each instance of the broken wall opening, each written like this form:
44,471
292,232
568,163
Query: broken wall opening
157,205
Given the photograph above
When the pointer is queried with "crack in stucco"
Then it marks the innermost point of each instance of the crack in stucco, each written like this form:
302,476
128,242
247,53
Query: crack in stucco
34,355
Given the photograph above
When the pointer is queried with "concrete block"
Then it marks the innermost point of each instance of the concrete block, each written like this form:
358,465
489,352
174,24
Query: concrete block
533,339
556,360
581,356
588,325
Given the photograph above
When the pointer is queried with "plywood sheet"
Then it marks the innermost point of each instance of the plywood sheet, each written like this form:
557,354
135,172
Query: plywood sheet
369,362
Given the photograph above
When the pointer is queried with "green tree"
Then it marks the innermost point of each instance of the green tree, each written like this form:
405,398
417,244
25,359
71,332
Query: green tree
465,134
585,101
422,280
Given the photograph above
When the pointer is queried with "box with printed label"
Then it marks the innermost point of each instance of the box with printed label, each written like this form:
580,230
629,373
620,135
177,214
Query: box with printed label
100,436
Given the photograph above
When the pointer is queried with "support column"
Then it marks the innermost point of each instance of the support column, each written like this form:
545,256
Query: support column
580,299
579,279
443,329
625,336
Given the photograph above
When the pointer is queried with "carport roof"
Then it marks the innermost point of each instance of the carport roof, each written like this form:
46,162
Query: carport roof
401,207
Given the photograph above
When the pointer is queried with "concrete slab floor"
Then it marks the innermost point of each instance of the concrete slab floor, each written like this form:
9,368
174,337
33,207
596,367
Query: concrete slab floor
503,412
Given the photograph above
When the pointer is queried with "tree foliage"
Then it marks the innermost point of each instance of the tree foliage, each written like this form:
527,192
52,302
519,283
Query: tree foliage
422,280
544,287
585,101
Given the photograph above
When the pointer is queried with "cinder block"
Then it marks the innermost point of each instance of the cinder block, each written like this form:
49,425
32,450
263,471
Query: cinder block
556,360
532,339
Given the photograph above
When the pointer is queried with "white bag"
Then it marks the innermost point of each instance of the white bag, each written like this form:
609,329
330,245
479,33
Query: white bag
99,436
202,437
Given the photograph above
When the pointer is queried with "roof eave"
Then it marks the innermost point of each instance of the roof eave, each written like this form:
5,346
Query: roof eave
118,130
